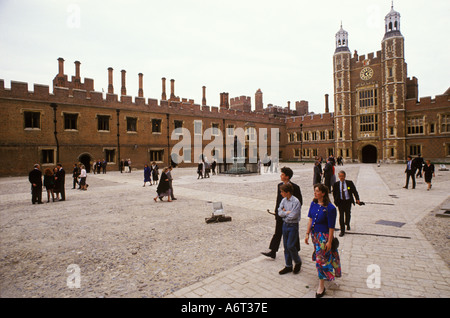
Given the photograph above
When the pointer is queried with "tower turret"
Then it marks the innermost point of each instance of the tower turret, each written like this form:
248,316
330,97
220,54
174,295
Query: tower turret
341,41
392,23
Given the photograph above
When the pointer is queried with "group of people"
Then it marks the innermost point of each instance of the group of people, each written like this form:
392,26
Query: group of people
165,188
125,164
54,181
204,168
417,165
99,165
322,216
151,174
79,176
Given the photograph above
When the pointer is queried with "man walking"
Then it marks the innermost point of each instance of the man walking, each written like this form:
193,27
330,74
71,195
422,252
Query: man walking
60,180
35,178
410,173
286,175
343,193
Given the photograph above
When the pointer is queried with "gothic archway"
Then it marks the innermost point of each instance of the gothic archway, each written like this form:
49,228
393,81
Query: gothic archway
85,159
369,154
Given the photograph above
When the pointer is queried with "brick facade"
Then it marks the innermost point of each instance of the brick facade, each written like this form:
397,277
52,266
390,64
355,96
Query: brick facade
377,116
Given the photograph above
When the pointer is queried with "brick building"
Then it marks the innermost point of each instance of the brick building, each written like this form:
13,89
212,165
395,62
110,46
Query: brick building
377,116
377,112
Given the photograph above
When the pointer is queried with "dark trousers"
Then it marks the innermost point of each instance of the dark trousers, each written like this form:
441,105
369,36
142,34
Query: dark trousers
412,175
345,209
75,182
36,194
276,238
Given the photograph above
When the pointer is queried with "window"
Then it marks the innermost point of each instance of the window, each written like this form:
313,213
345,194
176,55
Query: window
156,155
340,133
299,137
70,121
230,130
197,127
250,134
323,135
314,135
47,156
315,152
391,131
330,152
432,129
215,129
291,137
32,120
368,123
306,136
390,71
296,152
331,134
110,155
445,124
415,125
156,125
368,98
178,124
131,124
103,123
414,150
392,152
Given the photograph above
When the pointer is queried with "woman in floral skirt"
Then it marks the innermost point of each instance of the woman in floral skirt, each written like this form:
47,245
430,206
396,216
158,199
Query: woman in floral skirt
322,219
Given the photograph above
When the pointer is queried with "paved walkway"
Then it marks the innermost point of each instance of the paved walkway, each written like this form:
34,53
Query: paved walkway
384,254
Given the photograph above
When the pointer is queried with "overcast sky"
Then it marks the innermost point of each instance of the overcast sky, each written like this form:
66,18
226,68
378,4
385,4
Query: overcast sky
283,47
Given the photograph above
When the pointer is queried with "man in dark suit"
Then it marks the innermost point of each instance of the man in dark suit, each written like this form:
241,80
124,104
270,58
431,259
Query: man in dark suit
286,175
60,180
328,173
418,163
343,193
410,173
35,178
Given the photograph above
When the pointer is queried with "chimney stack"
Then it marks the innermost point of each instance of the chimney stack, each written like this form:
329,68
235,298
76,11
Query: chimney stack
289,106
123,90
172,88
327,110
110,81
259,101
204,96
163,95
141,90
77,79
60,66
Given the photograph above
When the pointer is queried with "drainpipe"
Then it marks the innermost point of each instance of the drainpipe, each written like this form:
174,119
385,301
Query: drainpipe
54,106
118,139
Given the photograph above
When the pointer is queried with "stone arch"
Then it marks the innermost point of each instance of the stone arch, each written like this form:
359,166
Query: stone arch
369,154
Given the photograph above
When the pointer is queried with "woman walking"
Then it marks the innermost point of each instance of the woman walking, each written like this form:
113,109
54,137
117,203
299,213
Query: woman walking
147,172
83,176
321,225
155,173
428,169
163,188
49,183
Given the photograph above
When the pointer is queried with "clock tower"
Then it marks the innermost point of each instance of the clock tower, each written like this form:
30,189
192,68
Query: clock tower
342,95
393,89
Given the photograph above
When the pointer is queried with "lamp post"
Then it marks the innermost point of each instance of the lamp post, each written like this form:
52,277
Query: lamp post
118,139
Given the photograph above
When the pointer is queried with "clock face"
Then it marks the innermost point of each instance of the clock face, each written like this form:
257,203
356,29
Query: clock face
366,73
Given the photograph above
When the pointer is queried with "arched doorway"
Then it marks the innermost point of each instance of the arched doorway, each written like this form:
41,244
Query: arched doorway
369,154
85,159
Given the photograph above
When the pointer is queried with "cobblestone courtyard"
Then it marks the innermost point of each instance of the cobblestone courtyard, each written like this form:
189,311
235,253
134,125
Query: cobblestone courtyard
126,245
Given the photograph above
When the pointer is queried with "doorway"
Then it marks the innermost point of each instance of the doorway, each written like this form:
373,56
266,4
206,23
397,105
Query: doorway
369,154
85,159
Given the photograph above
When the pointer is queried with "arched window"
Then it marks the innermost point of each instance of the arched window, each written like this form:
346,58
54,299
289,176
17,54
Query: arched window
390,26
395,25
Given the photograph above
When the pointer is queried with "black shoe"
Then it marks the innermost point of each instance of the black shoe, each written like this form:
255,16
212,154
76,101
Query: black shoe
405,187
174,198
341,234
285,270
270,254
297,268
348,227
321,294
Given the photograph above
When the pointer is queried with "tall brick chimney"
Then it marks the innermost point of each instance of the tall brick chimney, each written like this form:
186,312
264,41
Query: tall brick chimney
77,79
204,96
163,94
141,90
123,90
289,106
110,81
172,88
259,101
60,66
327,109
